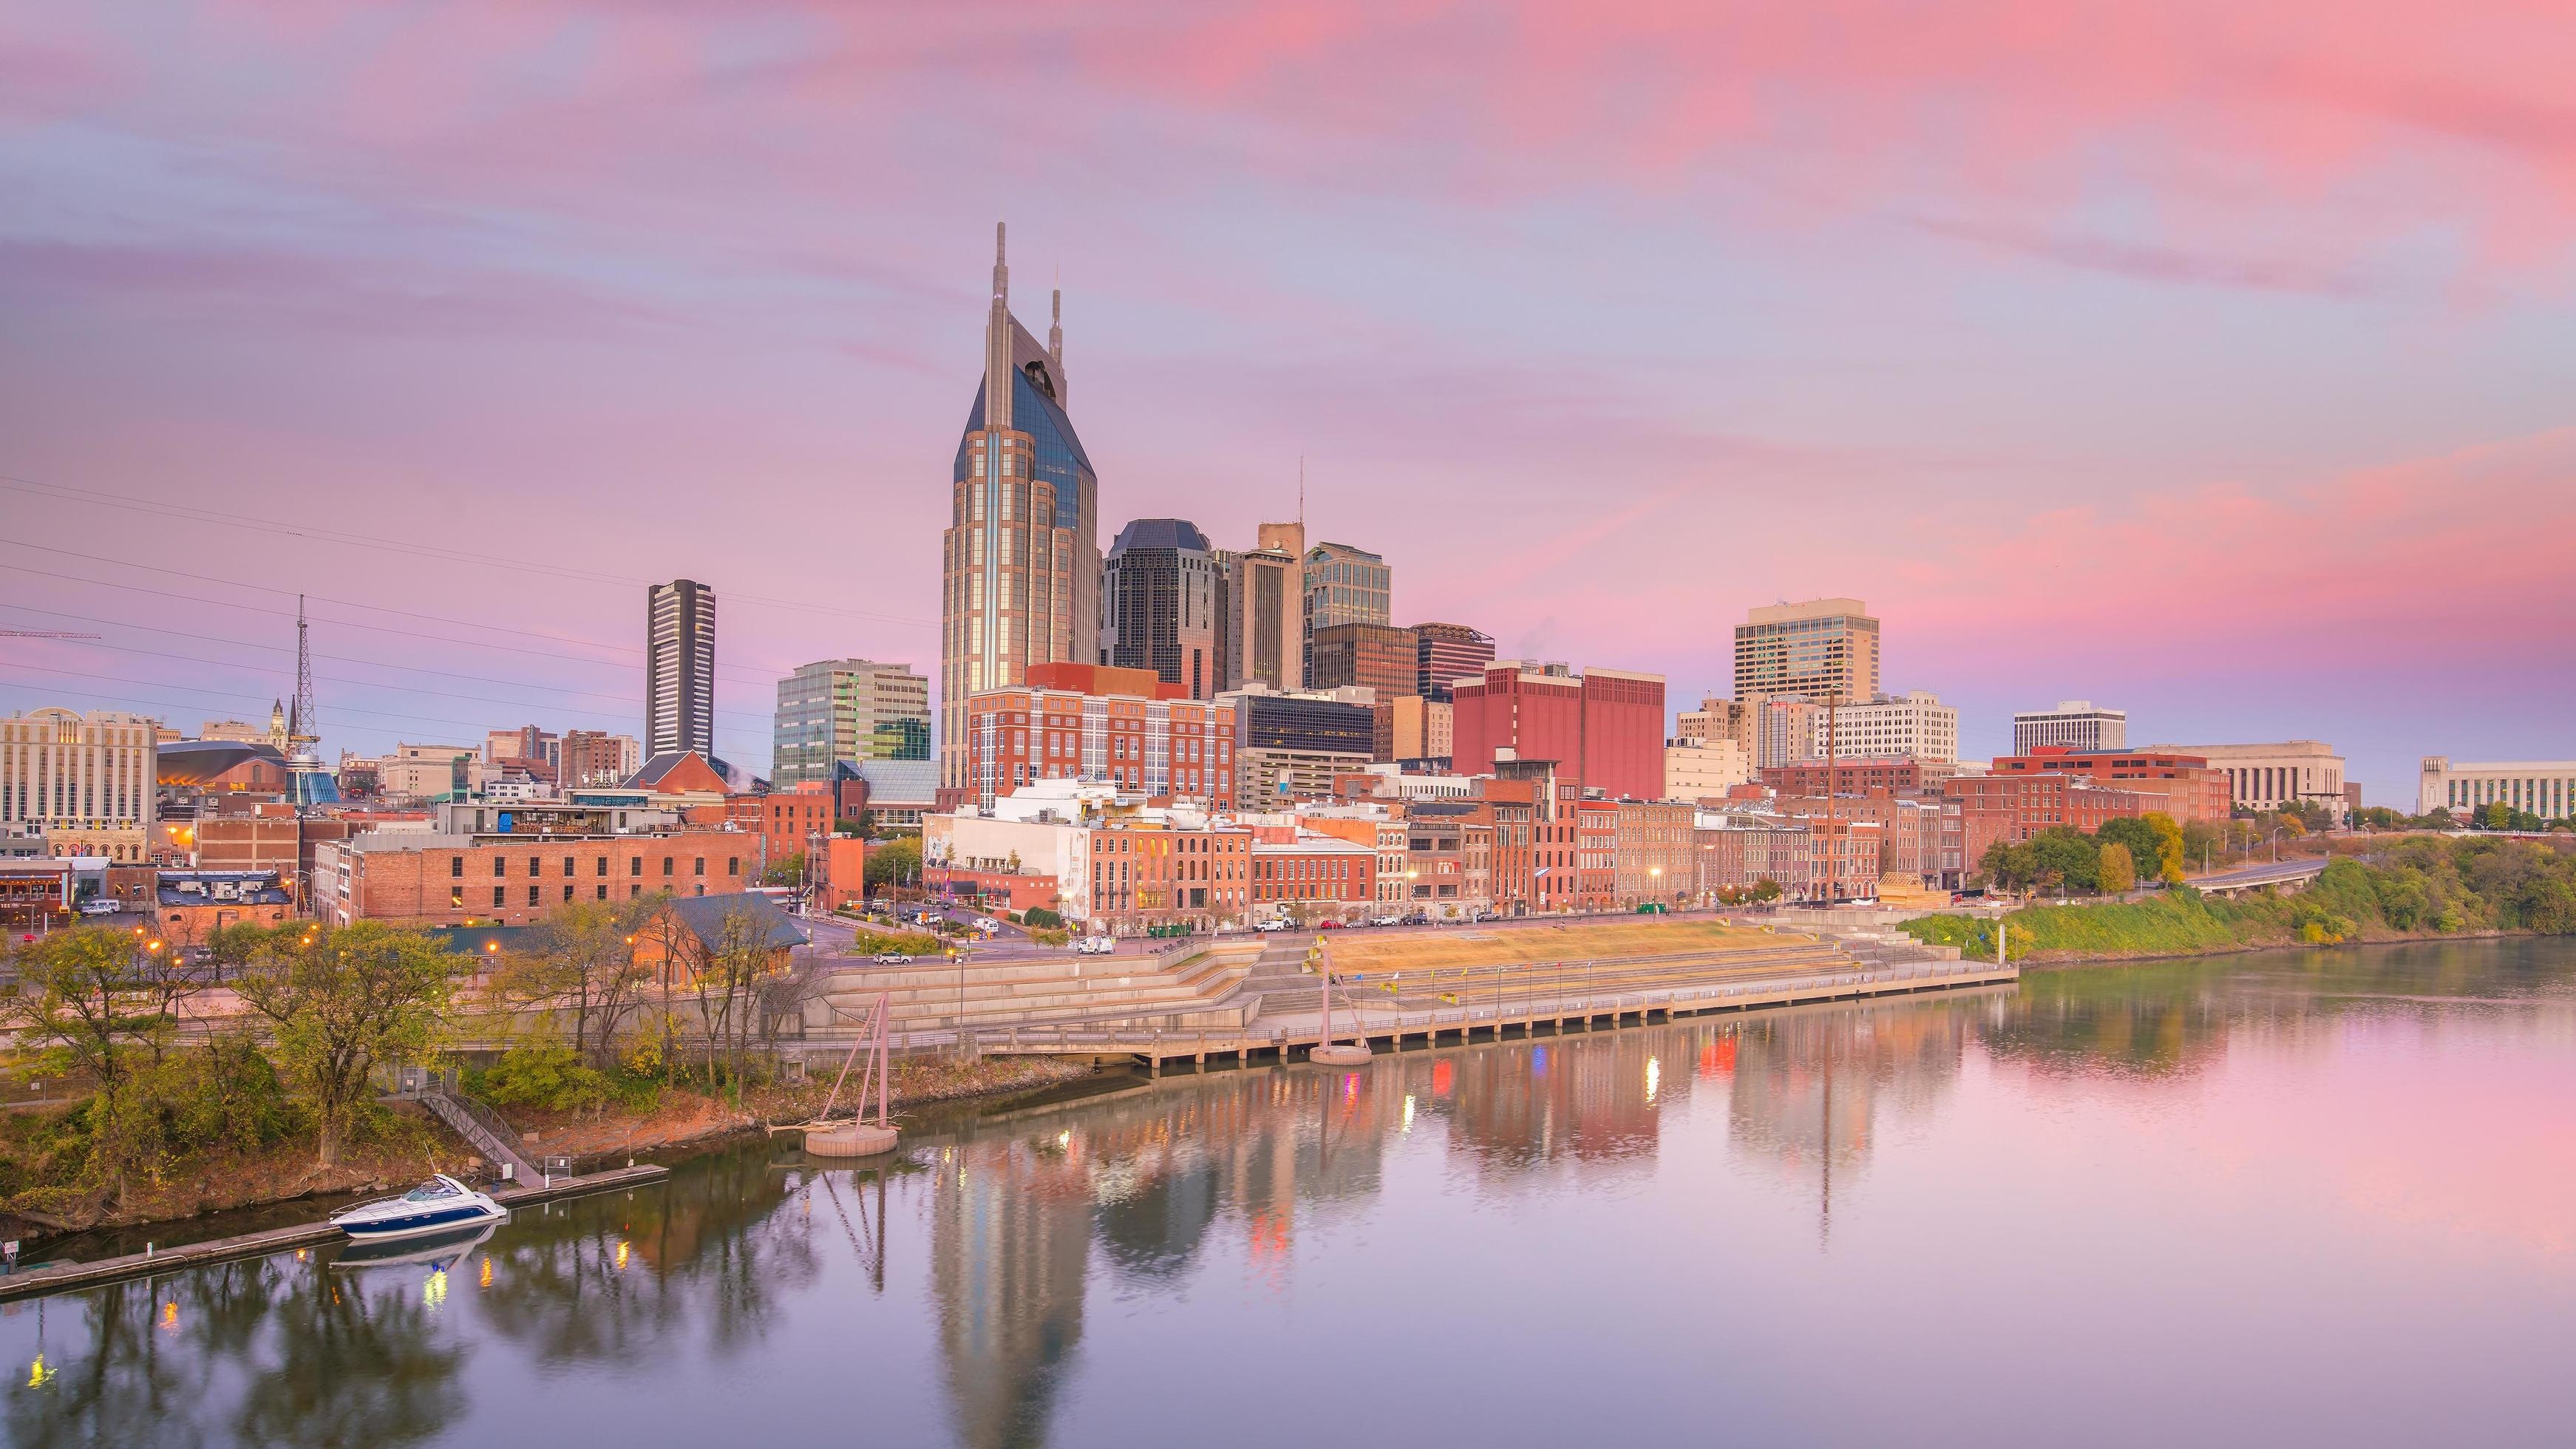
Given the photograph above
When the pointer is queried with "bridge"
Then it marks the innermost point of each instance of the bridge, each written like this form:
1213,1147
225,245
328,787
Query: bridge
2286,876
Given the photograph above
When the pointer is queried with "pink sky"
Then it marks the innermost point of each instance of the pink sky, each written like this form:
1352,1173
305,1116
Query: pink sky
2208,360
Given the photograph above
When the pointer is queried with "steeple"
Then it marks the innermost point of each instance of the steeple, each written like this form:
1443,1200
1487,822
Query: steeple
1055,348
997,341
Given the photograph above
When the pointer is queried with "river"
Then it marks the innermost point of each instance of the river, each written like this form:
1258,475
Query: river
2303,1197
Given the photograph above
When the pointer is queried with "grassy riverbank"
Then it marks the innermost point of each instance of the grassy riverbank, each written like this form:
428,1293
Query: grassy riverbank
2421,889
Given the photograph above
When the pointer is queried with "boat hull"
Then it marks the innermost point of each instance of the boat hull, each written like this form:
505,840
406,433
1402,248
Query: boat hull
441,1219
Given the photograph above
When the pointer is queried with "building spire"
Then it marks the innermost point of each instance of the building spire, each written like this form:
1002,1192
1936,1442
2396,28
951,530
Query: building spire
997,339
1055,347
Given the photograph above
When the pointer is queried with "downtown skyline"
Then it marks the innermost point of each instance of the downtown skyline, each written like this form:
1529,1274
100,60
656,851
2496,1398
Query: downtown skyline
2234,402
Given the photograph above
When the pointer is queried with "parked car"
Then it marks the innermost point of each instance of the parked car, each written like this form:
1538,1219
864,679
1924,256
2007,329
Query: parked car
1386,920
1330,926
1272,926
101,907
891,958
1096,945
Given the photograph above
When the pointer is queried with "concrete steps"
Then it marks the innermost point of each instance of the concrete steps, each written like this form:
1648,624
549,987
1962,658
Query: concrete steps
1182,990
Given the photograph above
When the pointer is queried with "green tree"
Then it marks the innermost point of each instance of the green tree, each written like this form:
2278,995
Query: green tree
581,959
343,1000
2069,857
897,862
81,996
787,870
2118,872
1766,889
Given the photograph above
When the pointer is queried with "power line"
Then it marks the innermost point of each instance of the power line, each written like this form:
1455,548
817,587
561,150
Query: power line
66,493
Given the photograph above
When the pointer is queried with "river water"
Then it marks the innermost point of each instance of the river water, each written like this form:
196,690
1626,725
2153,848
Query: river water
2320,1197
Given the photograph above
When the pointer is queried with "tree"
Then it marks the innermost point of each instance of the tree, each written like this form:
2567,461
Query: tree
229,948
343,1000
581,959
897,862
1766,889
787,870
2118,872
81,995
2067,855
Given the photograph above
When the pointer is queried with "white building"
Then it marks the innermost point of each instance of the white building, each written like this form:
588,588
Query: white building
2075,723
1704,769
85,780
2546,788
1914,723
425,772
2267,776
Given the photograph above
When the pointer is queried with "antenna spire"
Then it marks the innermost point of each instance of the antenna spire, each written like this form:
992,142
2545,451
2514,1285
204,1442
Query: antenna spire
300,723
1055,345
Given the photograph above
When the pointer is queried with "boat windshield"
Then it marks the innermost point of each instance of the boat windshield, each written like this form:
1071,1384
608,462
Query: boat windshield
429,1191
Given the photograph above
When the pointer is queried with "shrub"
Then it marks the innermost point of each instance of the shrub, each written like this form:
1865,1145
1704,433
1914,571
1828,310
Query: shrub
910,943
1041,916
549,1077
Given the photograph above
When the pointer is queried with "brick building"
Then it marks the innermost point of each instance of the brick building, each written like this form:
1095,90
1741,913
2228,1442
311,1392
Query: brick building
1655,852
1605,727
1850,777
457,880
2030,803
1314,875
2185,786
1122,727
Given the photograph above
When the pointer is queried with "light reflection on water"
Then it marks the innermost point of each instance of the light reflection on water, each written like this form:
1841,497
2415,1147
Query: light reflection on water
2310,1197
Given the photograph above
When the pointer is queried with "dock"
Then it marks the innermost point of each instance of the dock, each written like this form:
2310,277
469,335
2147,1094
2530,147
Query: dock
1394,1030
64,1277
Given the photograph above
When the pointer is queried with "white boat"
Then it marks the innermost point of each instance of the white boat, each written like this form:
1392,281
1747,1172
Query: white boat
439,1250
440,1205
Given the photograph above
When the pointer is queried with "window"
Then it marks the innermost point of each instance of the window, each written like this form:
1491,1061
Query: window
456,897
567,869
532,894
666,867
633,891
567,892
456,865
603,870
536,867
634,864
733,865
500,866
603,892
698,867
497,901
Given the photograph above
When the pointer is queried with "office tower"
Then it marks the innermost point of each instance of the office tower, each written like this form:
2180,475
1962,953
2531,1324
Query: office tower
1162,602
680,669
1915,723
1817,648
1343,585
842,711
1381,657
1447,653
2075,723
1264,631
1020,559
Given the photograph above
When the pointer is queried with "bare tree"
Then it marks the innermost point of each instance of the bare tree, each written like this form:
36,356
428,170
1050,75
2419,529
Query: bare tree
582,961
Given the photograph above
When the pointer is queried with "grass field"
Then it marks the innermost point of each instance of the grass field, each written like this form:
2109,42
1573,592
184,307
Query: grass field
1476,946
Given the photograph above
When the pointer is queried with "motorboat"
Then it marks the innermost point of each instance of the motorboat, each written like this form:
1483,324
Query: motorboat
440,1205
439,1250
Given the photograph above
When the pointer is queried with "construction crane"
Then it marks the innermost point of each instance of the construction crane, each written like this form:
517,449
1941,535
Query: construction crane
43,634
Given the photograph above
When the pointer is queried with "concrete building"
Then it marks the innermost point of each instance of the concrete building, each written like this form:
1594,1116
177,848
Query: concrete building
1264,618
1914,724
1604,727
426,772
2264,777
1423,729
1289,747
679,668
1815,648
1704,769
2074,723
2546,788
87,781
1721,719
1343,585
842,711
419,878
1162,605
1103,725
1447,653
1020,559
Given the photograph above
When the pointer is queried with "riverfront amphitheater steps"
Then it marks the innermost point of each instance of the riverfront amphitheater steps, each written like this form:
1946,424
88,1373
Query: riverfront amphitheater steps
1540,985
1187,989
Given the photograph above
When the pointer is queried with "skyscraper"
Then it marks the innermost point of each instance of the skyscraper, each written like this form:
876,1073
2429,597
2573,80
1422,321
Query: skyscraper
844,711
1343,585
1264,630
1816,648
680,668
1020,559
1447,653
1162,605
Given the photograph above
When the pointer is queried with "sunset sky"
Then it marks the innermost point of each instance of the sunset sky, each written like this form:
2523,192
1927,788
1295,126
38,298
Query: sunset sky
2210,360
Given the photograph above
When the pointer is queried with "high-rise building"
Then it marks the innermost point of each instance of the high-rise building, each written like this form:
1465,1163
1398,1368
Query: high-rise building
1380,657
1915,724
1263,637
2075,723
1344,585
1787,731
1447,653
1603,728
1106,725
680,668
1815,648
85,780
1162,605
1290,746
1020,559
842,711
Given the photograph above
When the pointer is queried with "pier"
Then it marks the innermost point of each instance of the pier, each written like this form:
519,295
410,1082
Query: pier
62,1277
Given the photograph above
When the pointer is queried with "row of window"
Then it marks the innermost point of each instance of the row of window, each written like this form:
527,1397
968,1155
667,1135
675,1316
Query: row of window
536,895
634,866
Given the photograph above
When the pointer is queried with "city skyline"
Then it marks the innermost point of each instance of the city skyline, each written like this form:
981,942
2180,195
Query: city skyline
2280,421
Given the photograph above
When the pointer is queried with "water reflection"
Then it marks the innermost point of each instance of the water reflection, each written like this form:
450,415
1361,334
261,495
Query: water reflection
984,1246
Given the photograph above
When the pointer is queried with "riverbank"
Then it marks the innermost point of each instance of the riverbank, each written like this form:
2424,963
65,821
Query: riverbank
2424,891
406,1145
